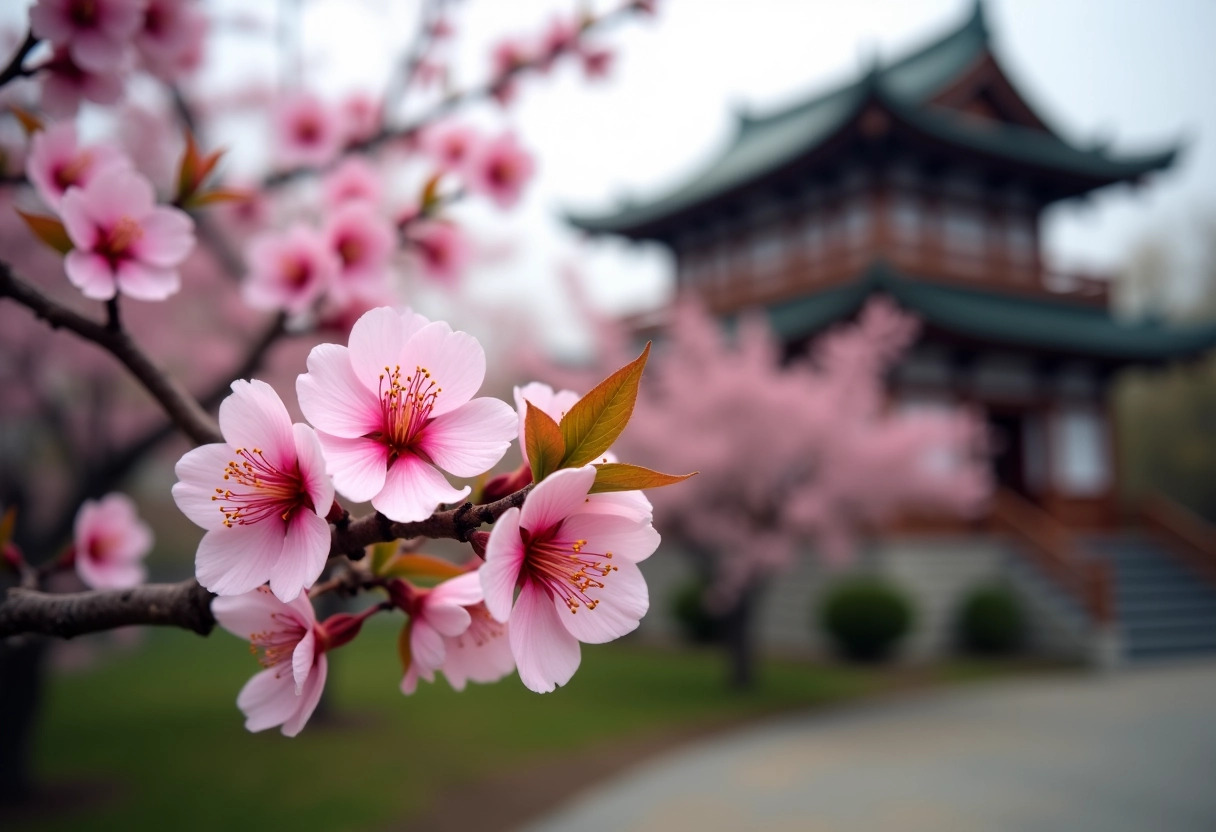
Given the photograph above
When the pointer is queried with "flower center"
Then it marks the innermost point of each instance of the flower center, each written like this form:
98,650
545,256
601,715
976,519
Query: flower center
275,647
501,173
565,569
297,272
308,130
115,243
350,250
261,490
405,406
65,176
482,630
84,13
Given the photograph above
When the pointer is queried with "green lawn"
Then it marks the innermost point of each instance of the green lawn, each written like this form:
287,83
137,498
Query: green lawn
159,726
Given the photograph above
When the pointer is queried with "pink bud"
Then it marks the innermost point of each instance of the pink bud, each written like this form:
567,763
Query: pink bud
504,484
12,556
478,541
403,595
338,629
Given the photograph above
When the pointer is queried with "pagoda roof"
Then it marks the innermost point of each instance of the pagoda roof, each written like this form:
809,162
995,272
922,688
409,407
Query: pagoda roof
1025,322
765,145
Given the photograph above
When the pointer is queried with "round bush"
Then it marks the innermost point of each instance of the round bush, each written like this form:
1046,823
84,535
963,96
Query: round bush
697,624
991,621
866,618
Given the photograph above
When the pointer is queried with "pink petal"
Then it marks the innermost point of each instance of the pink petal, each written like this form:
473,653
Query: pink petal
471,439
302,560
462,591
316,481
623,601
376,341
145,282
234,560
200,472
302,659
244,615
307,701
168,237
409,682
505,555
358,466
50,21
109,575
625,538
332,397
254,416
545,652
94,51
413,489
82,231
631,504
118,192
483,662
91,274
268,699
448,619
455,360
556,497
426,649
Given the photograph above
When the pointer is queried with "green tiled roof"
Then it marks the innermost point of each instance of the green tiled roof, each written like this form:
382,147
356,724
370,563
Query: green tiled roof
1034,323
762,145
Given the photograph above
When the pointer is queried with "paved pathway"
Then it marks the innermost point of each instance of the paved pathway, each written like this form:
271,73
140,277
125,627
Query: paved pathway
1133,751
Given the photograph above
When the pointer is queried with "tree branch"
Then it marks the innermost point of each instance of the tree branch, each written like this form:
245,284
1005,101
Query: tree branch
181,407
14,70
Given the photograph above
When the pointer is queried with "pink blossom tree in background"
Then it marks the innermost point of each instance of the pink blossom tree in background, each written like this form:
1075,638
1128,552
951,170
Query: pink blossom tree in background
142,290
795,456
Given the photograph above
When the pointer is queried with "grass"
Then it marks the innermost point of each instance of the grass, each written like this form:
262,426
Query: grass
159,730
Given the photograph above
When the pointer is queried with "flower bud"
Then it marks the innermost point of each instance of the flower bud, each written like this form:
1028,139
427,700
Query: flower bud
403,596
506,484
337,630
478,541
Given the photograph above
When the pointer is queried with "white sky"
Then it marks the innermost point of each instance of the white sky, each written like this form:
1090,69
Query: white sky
1139,75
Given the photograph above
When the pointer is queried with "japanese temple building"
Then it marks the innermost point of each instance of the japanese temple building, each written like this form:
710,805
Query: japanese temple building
925,180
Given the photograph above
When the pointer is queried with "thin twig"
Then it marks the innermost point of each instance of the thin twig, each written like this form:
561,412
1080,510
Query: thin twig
14,69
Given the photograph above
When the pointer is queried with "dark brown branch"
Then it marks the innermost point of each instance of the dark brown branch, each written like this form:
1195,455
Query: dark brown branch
181,407
186,605
14,69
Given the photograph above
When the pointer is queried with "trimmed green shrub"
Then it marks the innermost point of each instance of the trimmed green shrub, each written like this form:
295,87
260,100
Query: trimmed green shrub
991,621
697,624
865,618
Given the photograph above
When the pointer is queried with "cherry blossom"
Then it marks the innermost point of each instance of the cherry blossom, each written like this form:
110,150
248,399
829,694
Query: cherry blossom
95,32
306,131
577,572
124,242
290,645
353,180
362,114
451,145
451,631
396,407
57,161
65,84
170,42
110,543
441,251
289,270
363,242
500,170
262,495
507,57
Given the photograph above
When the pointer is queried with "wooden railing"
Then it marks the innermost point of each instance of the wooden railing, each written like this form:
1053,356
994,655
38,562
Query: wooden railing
1186,535
1050,546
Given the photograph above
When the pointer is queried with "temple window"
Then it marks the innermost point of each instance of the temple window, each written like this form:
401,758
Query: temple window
963,228
1019,239
1080,464
906,216
856,220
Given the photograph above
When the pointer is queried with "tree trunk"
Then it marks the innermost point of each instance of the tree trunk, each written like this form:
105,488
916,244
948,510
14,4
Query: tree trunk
22,663
739,639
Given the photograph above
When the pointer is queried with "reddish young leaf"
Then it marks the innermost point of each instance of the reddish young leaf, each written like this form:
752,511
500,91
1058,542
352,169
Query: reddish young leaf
544,442
420,567
218,195
403,647
620,476
430,193
30,123
49,230
597,419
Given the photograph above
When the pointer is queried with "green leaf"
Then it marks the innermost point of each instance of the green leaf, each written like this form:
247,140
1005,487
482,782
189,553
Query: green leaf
544,442
414,567
382,553
597,419
620,476
49,230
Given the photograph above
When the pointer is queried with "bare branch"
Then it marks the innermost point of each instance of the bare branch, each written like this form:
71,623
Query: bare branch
186,605
181,407
14,69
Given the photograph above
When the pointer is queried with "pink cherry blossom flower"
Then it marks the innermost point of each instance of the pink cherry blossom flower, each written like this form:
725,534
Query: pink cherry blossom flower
597,61
124,242
451,631
353,180
577,572
507,57
396,407
440,250
561,36
289,270
57,161
500,170
110,543
262,495
65,84
451,145
306,132
285,638
362,116
363,241
95,32
171,40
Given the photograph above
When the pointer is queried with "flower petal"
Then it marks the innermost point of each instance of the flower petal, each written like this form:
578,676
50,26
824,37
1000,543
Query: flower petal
332,397
234,560
91,274
268,699
302,659
556,497
376,341
413,489
505,555
316,481
168,237
244,615
462,591
623,600
144,281
471,439
307,701
200,471
545,652
302,559
358,466
455,360
426,649
623,537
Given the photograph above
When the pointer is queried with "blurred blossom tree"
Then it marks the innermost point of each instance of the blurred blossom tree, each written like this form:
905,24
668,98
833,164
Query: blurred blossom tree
791,451
121,235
